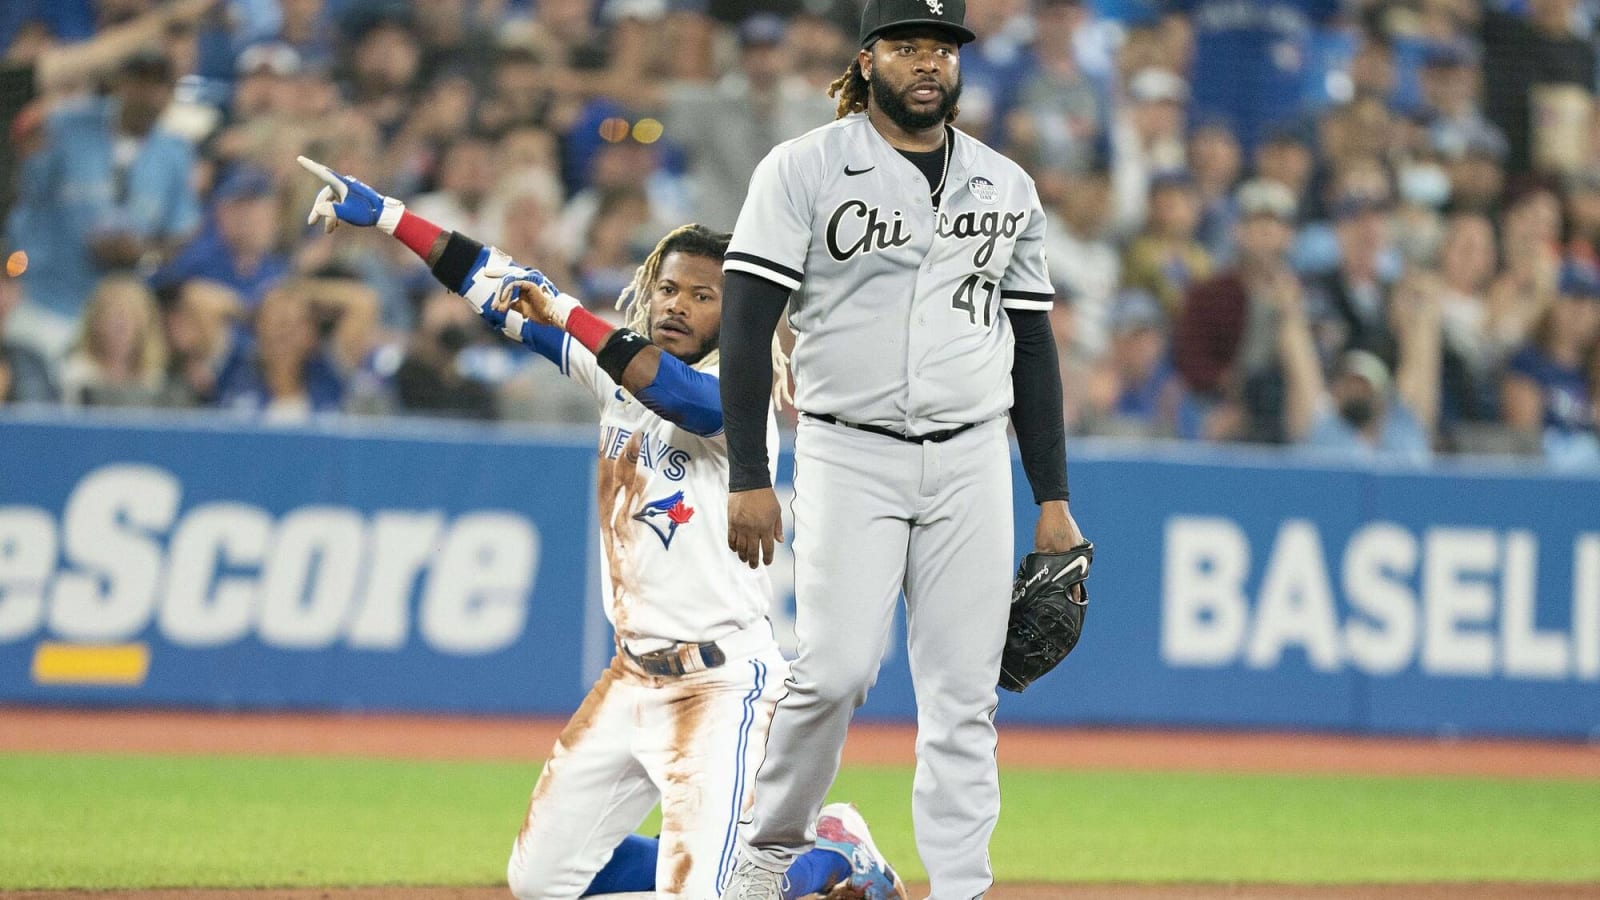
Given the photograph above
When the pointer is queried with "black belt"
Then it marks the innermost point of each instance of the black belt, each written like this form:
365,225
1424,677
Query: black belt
679,659
932,437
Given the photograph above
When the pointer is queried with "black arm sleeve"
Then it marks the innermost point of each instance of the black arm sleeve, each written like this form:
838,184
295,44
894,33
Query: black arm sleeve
1036,405
751,307
459,262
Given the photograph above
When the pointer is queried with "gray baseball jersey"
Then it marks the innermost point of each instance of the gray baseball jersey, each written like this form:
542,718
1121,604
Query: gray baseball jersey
896,306
898,312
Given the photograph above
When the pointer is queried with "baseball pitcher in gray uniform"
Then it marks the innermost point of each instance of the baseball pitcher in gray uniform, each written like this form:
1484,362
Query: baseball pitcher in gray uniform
910,256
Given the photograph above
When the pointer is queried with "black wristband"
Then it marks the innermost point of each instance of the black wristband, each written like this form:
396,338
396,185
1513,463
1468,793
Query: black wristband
619,350
456,262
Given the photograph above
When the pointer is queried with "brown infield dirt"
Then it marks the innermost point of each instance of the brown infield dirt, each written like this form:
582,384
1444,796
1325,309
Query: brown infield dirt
429,737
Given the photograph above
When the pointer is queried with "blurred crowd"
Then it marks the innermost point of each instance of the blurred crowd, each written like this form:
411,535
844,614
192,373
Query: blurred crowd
1369,227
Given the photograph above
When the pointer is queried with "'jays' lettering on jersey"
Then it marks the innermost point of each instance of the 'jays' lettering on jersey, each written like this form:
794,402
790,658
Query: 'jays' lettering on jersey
845,221
663,505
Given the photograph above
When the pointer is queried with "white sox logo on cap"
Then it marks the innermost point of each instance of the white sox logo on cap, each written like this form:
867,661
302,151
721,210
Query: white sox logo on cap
935,7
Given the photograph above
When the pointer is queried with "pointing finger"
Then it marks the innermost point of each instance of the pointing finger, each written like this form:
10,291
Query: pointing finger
317,169
326,174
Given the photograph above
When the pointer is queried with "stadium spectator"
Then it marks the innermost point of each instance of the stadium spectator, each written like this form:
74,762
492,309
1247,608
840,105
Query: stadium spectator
34,73
1450,87
1364,413
25,375
1475,162
109,189
386,63
1250,59
1147,137
266,85
1530,254
530,204
728,128
1353,300
519,91
821,49
1582,208
429,380
282,370
1166,259
1546,391
1371,71
120,356
238,245
198,325
452,40
464,197
1137,391
1471,360
1423,190
1215,161
1057,119
614,246
308,28
1285,157
1084,264
624,164
1225,341
546,123
994,67
1541,95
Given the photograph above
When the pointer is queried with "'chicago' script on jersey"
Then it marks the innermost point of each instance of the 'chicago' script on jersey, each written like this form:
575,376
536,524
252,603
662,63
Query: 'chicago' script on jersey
990,226
876,234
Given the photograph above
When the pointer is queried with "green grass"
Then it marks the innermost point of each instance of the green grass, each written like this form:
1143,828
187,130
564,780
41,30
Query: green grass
143,821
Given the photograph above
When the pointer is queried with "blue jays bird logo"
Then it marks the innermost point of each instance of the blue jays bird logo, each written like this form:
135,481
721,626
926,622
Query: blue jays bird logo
665,515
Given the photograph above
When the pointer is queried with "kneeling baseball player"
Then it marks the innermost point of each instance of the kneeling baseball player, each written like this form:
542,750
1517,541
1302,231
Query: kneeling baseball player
681,714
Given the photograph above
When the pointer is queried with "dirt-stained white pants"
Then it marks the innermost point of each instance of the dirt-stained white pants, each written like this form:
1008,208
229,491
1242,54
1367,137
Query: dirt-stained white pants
691,742
874,515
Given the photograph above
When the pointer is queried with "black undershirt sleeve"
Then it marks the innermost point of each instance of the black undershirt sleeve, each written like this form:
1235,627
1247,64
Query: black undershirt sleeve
751,308
1036,405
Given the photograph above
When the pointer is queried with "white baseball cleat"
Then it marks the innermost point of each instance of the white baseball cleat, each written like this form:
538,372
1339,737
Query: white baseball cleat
751,882
841,828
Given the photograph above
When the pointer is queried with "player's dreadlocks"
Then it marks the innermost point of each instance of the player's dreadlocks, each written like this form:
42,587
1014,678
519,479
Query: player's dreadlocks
852,90
694,240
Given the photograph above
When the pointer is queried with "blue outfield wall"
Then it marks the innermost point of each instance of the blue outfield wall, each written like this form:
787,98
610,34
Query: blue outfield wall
452,568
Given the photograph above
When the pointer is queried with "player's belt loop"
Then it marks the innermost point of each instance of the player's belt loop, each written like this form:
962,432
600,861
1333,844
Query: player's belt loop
932,437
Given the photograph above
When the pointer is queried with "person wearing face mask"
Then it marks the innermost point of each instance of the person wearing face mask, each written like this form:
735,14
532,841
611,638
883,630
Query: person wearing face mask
1424,189
429,381
1362,412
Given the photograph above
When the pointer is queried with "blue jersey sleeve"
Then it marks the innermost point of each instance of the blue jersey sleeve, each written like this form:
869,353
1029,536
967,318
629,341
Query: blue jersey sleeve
546,340
688,399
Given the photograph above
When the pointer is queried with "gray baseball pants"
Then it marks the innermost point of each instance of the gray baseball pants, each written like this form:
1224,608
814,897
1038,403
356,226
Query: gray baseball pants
874,515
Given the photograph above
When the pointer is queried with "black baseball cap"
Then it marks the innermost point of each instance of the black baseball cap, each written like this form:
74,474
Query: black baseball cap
948,15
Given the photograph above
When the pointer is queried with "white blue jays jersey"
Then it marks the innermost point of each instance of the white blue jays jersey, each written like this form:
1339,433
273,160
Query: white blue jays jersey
896,306
663,505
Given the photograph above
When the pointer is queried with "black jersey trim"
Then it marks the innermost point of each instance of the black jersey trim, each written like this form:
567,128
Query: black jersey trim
766,268
1036,296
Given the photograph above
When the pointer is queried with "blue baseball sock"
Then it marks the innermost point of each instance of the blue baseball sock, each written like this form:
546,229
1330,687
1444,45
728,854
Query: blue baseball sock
815,872
632,868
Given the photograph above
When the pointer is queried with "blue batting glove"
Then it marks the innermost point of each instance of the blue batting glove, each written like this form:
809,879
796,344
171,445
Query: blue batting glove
511,273
550,306
348,200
